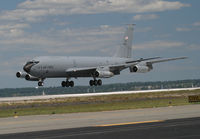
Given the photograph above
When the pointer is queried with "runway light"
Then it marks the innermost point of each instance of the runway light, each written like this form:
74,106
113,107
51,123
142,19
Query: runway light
15,115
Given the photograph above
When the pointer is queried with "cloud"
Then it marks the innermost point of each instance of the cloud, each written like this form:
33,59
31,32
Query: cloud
144,29
196,24
8,66
10,30
14,26
191,27
145,17
66,40
158,44
194,47
181,29
35,10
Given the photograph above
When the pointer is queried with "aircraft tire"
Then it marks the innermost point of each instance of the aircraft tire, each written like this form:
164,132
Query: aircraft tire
63,84
40,83
95,82
71,83
67,83
91,82
99,82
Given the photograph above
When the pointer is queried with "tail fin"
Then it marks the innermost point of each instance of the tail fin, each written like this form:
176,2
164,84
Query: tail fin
125,49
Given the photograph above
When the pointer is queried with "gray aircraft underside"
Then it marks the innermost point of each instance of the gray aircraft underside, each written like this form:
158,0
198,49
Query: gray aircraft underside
68,67
53,67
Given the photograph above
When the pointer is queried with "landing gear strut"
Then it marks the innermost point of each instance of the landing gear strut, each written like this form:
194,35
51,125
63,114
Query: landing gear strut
67,83
95,82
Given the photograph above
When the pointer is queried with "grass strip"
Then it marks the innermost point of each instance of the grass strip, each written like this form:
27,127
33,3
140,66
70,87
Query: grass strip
96,103
94,107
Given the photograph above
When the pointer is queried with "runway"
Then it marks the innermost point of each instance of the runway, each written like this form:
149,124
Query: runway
170,129
95,119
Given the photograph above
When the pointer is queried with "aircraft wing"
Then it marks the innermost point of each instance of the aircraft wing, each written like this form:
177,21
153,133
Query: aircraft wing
147,61
135,62
130,63
142,59
88,71
83,72
165,60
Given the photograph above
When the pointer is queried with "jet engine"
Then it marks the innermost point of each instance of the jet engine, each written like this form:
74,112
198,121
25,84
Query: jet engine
20,74
103,74
31,78
140,69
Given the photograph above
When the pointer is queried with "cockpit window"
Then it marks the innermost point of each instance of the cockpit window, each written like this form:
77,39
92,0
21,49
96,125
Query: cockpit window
32,62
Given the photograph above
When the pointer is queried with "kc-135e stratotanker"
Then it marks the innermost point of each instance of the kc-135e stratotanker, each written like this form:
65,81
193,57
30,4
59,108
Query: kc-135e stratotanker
69,67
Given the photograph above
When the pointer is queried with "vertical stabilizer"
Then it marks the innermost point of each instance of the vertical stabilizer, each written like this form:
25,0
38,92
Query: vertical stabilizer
125,49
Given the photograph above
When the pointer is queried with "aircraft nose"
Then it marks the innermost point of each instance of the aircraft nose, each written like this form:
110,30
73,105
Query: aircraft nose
27,68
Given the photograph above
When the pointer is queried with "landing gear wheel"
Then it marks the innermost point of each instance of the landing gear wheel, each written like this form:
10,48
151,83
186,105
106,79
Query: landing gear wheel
63,84
99,82
71,83
91,82
67,83
40,83
95,82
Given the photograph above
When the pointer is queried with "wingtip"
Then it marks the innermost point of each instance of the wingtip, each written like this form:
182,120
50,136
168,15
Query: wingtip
185,57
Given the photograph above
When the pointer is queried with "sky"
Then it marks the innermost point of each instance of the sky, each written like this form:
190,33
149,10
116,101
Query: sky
165,28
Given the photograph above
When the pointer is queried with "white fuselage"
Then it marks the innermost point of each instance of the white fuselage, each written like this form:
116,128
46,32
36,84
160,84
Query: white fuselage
56,66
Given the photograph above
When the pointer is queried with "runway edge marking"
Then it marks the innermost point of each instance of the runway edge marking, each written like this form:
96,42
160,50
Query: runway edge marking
129,123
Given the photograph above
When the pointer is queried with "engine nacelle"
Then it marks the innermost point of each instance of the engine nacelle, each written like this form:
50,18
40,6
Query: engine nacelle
140,69
31,78
103,74
20,74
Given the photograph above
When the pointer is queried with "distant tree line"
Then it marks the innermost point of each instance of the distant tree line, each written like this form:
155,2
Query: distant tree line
12,92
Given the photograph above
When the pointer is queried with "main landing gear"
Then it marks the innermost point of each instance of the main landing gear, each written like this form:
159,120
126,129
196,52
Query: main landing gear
95,82
67,83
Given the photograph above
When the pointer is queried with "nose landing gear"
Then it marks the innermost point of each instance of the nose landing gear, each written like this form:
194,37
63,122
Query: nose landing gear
40,83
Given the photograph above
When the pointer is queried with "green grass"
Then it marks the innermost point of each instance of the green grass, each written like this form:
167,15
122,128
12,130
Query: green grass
96,103
94,107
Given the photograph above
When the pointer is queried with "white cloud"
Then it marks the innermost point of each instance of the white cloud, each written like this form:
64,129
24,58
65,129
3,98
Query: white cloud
145,17
8,66
181,29
64,41
144,29
158,44
192,27
194,47
10,30
34,10
196,24
14,26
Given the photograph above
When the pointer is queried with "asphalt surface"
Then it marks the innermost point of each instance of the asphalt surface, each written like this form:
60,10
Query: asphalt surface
33,123
169,129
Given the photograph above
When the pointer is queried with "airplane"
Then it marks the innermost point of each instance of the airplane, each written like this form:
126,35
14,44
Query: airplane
43,67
